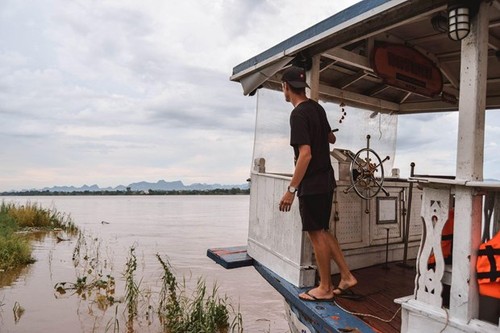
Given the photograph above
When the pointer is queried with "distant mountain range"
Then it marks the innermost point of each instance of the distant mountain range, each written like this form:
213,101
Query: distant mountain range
160,185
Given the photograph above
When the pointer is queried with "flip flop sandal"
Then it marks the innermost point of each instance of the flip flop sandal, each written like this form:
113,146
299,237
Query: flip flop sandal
347,293
315,299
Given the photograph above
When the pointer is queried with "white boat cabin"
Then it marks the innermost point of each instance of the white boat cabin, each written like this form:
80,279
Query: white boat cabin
368,65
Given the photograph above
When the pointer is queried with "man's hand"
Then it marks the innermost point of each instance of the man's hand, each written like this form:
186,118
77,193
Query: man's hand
286,201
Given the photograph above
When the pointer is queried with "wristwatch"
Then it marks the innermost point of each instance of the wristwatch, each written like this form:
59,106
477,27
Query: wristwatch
292,189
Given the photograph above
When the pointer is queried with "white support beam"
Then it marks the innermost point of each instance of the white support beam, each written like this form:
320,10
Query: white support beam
446,71
493,42
313,78
439,106
349,58
464,296
358,100
428,38
328,66
352,79
448,56
496,23
427,106
494,80
473,78
378,90
406,96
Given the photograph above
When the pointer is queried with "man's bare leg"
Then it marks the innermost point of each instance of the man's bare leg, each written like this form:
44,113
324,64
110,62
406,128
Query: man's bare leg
322,252
347,280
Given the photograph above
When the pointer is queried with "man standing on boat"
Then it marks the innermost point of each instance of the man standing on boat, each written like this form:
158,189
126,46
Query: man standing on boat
314,182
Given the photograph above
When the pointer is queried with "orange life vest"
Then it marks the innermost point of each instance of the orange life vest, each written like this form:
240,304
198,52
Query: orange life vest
446,241
488,267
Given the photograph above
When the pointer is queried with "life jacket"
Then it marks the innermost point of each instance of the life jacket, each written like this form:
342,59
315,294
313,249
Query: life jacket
488,267
446,241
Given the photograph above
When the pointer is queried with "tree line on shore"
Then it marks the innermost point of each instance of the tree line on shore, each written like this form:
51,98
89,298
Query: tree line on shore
129,191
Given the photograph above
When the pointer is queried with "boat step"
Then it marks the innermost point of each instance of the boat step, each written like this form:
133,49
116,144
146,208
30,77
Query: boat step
230,257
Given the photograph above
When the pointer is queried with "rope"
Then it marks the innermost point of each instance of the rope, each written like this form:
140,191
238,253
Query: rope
392,318
447,319
367,314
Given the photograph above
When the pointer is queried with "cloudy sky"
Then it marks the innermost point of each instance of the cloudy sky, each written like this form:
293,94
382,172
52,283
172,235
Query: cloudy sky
114,92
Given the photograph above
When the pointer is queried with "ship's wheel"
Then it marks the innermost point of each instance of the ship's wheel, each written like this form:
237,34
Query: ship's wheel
367,172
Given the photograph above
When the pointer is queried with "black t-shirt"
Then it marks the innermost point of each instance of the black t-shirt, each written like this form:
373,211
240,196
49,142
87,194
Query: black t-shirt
309,126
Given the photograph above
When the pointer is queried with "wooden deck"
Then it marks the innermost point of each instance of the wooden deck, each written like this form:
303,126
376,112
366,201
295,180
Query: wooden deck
380,285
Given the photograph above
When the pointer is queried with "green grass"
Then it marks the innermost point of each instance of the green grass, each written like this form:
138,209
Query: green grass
32,215
172,306
15,248
14,251
202,312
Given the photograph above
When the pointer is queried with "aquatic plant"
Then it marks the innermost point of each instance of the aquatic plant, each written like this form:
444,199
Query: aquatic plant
114,323
18,311
15,249
94,279
132,290
32,215
202,312
172,307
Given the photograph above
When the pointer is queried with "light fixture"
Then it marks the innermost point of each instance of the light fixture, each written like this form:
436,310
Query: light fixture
459,16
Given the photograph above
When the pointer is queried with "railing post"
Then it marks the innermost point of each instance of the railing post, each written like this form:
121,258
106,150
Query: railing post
435,207
464,297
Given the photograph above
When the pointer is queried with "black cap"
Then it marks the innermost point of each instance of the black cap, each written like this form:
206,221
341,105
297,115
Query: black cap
295,76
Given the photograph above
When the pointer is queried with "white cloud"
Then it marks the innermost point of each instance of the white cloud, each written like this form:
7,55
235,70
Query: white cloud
430,140
117,91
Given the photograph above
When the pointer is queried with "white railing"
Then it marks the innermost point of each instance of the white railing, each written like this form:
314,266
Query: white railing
276,239
424,310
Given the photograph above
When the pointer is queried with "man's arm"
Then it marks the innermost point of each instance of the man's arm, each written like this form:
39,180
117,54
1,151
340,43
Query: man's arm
298,174
332,138
301,165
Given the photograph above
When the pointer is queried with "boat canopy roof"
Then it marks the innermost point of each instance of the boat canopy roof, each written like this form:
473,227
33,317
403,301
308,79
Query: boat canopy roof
391,56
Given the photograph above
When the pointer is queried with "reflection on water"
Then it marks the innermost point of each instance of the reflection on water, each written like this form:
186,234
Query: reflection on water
9,277
180,228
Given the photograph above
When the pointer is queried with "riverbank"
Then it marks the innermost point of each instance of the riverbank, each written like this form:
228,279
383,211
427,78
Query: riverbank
16,221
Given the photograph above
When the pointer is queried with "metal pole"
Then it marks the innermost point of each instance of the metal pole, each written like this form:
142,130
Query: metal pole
386,265
406,235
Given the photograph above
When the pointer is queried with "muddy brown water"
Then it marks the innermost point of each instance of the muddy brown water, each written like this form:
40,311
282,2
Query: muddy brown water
180,228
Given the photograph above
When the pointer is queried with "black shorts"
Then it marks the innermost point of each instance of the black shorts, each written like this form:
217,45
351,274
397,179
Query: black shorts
315,211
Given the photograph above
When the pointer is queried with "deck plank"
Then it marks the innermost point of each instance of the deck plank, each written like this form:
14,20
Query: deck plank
230,257
380,287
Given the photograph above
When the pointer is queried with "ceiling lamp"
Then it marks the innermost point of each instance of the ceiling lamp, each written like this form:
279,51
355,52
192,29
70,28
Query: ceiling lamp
459,16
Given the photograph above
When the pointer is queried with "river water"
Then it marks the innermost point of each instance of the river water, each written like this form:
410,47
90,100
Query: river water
178,228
